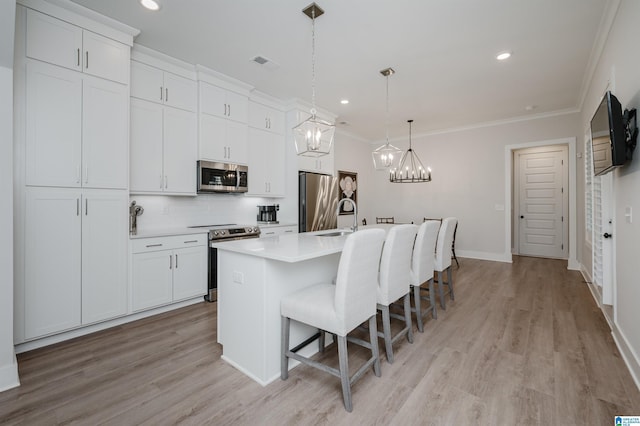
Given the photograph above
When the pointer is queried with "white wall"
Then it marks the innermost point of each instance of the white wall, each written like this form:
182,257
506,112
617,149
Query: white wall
354,155
468,168
620,63
8,365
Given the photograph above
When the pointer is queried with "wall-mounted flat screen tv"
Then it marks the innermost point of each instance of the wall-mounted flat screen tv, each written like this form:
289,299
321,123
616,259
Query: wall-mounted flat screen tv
608,137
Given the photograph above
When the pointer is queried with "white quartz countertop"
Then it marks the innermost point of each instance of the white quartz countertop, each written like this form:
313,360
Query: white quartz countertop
289,247
168,232
275,225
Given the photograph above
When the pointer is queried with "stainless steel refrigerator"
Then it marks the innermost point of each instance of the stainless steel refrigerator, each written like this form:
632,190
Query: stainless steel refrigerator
317,201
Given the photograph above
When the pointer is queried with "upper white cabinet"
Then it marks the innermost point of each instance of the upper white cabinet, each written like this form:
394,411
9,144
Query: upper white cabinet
163,149
76,129
223,140
156,85
60,43
266,164
223,103
266,118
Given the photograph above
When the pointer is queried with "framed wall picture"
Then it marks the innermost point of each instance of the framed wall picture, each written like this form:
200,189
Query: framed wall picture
348,185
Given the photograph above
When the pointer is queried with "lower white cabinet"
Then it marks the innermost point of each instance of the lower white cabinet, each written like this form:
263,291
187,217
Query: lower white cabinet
168,269
75,258
270,231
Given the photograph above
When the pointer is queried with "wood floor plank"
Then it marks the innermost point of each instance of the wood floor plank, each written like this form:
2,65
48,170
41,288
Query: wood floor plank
523,343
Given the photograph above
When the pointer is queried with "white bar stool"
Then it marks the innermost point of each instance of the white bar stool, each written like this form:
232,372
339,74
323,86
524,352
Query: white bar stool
394,283
340,308
443,258
422,265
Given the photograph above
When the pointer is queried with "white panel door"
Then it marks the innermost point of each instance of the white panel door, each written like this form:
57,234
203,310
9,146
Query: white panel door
180,151
106,58
105,220
190,272
105,134
146,147
152,279
52,260
54,132
180,92
542,204
54,41
602,238
258,152
147,82
213,100
213,134
237,141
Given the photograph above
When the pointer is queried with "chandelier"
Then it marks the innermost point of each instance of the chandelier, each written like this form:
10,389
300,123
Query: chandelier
386,157
410,169
314,136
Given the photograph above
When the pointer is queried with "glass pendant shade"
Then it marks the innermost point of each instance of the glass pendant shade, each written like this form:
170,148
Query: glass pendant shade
314,137
410,168
386,157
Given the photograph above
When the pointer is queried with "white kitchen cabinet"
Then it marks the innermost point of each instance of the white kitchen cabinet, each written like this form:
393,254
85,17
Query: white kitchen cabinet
266,118
60,43
156,85
223,103
271,231
76,264
324,164
266,164
168,269
223,140
163,149
76,129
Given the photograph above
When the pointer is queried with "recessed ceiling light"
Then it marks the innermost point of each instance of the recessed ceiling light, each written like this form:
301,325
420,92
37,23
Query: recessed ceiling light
531,107
504,55
344,101
150,4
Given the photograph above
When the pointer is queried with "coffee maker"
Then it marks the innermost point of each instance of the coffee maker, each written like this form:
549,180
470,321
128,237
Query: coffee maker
268,214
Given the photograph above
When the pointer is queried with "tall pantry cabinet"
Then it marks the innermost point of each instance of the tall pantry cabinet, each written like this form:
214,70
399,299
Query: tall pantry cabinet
71,122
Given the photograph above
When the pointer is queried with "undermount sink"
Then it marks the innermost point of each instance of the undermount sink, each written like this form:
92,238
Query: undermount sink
335,234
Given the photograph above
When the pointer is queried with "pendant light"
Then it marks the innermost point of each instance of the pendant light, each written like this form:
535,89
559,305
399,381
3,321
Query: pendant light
410,169
314,136
387,156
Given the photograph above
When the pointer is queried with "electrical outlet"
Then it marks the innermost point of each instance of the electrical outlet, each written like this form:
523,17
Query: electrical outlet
238,277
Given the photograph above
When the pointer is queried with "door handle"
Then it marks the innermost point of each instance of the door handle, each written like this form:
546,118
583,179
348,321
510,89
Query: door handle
176,261
160,92
521,217
78,56
86,64
607,235
166,94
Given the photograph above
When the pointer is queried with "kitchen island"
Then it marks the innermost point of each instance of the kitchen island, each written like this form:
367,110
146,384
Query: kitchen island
253,276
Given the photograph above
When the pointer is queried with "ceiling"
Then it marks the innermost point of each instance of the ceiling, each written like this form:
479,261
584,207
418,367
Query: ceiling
443,52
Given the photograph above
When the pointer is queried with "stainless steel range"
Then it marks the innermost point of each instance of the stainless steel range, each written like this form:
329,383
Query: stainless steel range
221,233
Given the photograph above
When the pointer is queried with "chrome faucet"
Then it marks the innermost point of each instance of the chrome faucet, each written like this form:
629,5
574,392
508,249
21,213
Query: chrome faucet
354,228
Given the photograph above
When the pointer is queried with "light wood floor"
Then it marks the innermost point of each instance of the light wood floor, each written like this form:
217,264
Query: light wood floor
522,344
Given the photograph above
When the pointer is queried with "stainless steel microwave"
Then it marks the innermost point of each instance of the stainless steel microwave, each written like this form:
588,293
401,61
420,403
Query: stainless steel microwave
221,177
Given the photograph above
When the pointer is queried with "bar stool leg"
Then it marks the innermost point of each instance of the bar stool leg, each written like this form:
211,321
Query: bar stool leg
432,299
407,316
284,361
373,339
450,282
386,332
344,372
441,290
416,298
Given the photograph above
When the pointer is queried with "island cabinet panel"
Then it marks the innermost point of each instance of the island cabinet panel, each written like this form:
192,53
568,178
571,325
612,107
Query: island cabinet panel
249,292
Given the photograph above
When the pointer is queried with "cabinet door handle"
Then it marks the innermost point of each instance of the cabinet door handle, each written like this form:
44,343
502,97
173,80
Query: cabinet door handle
154,245
176,261
166,94
161,181
229,153
166,182
160,92
86,207
229,110
77,206
86,174
86,64
78,56
77,174
191,241
225,109
170,262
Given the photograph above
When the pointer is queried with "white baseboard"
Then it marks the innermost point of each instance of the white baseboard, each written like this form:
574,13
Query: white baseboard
61,337
9,376
628,354
573,265
481,255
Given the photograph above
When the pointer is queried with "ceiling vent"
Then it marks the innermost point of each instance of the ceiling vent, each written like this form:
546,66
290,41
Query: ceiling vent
265,62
